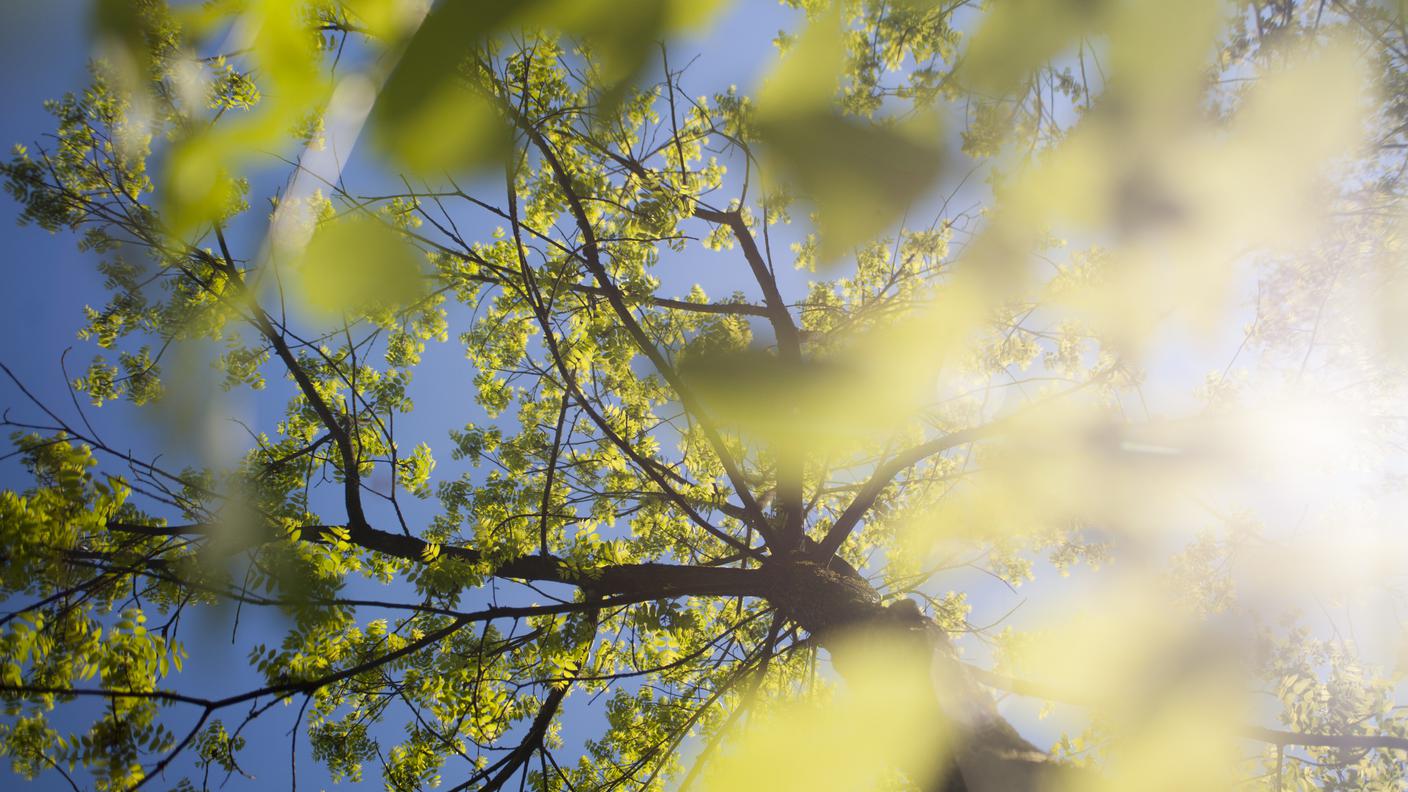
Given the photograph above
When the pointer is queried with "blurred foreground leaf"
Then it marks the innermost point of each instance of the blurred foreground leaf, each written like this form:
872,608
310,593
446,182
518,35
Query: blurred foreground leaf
357,263
861,173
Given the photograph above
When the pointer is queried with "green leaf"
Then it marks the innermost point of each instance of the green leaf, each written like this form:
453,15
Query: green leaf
356,262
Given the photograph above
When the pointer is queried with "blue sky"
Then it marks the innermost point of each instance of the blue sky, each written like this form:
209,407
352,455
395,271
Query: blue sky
43,48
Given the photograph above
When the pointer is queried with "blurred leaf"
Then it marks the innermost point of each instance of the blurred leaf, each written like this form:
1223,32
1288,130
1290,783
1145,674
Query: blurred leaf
435,112
878,727
778,400
384,18
199,185
806,77
124,23
456,129
431,115
859,393
1016,37
203,173
284,47
356,262
861,174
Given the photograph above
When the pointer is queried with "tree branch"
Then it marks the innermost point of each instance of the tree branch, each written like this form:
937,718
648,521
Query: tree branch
352,496
592,258
647,466
885,473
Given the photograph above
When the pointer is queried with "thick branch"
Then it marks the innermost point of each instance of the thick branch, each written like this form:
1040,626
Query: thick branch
647,580
790,460
788,339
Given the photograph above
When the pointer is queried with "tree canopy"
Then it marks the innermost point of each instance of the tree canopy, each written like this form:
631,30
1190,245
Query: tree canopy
1053,366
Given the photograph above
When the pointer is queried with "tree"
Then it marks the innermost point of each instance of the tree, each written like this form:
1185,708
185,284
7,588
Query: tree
738,511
